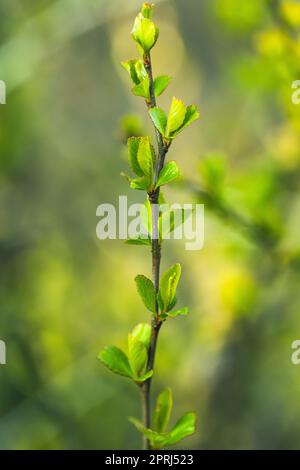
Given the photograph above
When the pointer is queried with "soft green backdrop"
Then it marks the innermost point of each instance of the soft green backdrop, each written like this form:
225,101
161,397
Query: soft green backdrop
64,294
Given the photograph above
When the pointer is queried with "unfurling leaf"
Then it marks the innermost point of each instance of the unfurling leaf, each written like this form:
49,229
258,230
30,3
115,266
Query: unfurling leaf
162,412
142,89
170,172
168,287
142,184
131,67
181,311
176,116
192,114
184,427
138,346
144,377
116,360
145,157
159,119
160,84
142,157
138,357
139,77
144,32
146,290
180,117
157,440
133,147
142,332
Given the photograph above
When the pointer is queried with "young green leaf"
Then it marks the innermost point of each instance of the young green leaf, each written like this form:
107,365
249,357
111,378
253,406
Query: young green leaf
170,172
142,89
168,287
142,332
184,427
116,360
142,378
181,311
176,116
145,157
192,114
139,241
130,67
133,144
144,32
160,84
137,354
155,438
162,412
146,290
159,119
142,184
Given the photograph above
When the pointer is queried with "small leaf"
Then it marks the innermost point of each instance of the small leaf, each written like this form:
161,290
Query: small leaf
159,119
140,70
137,354
130,66
116,360
144,32
142,184
162,413
153,436
160,84
176,116
146,290
145,157
133,147
139,241
144,377
142,89
170,172
180,311
142,332
184,427
192,114
168,286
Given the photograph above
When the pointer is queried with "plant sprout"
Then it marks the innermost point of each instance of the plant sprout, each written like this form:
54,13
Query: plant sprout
159,294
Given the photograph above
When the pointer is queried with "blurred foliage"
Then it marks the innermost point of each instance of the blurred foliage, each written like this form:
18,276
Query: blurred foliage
61,289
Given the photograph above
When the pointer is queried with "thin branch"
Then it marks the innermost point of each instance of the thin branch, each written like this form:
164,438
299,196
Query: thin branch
156,253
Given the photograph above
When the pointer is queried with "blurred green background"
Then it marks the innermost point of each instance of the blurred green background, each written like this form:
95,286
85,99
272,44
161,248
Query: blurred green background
64,294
